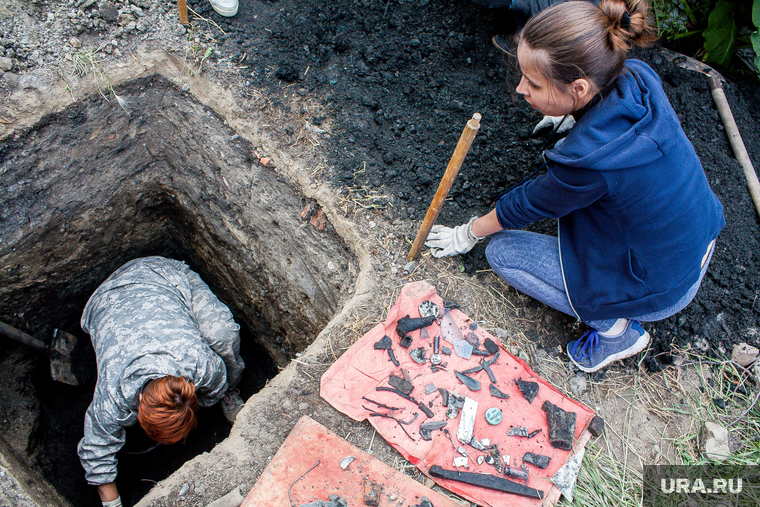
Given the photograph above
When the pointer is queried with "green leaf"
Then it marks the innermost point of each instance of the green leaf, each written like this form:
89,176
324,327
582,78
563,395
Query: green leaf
756,14
720,35
755,38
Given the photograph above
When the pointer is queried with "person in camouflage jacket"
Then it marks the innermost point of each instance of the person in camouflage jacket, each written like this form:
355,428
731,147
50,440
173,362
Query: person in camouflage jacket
152,318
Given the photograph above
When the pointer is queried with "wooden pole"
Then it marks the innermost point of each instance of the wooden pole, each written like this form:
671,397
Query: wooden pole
463,146
182,8
735,139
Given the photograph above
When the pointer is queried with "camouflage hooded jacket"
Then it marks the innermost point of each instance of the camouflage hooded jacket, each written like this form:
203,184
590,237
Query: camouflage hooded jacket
151,318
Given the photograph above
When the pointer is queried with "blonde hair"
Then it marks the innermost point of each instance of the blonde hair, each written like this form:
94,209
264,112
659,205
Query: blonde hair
578,40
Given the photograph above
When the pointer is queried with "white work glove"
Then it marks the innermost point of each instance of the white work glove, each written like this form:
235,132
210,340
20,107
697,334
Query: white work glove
113,503
553,121
445,241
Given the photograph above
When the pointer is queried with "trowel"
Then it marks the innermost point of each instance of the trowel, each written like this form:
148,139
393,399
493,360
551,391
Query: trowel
59,351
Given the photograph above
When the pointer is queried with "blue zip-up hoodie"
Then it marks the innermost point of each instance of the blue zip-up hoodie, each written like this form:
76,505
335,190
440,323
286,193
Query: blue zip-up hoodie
636,214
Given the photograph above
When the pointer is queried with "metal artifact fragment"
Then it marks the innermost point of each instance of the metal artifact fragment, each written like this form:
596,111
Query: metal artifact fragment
406,325
561,426
467,420
445,351
528,389
418,355
493,359
471,383
427,428
566,476
486,481
518,431
534,433
401,384
461,461
478,352
473,370
477,444
491,346
386,344
480,460
461,450
290,497
496,393
444,396
455,404
462,349
538,460
472,339
372,493
517,473
490,374
429,309
430,388
435,358
423,333
495,456
424,502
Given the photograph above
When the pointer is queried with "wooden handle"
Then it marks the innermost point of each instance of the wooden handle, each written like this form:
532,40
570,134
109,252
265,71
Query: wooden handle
182,8
735,139
463,146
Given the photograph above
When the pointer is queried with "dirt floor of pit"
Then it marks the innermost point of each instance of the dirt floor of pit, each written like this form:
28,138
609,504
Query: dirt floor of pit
368,100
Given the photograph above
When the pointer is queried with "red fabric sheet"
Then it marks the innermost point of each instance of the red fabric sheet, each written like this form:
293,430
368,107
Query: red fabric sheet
361,369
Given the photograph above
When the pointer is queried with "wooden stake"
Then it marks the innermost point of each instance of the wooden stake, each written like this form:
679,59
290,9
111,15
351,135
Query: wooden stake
463,146
182,8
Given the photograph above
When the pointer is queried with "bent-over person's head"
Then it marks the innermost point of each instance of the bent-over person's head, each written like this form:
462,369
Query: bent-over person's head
578,40
167,409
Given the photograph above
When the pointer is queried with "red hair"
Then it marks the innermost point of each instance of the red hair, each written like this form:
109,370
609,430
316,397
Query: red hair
167,409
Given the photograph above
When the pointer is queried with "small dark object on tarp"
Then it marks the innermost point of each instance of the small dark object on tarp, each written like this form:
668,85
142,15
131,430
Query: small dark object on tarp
418,355
406,325
596,427
481,353
335,501
491,346
486,481
471,383
496,393
517,473
561,426
372,492
534,433
429,309
495,456
424,502
518,431
445,351
538,460
430,426
472,339
473,370
490,374
455,404
444,396
386,344
401,384
528,389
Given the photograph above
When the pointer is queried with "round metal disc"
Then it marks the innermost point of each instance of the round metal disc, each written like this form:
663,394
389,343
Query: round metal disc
435,359
493,416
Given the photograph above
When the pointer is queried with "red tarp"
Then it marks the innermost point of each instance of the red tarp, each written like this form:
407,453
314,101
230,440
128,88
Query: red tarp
308,443
361,369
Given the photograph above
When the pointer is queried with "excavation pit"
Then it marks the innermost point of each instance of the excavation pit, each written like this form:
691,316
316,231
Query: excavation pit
93,186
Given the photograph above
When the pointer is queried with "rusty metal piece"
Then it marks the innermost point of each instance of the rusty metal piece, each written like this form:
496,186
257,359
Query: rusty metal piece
538,460
494,358
401,384
518,431
517,473
427,428
478,352
534,433
561,426
496,393
491,346
372,493
472,339
471,383
290,497
406,325
528,389
473,370
444,396
429,309
596,427
486,481
418,355
490,374
455,404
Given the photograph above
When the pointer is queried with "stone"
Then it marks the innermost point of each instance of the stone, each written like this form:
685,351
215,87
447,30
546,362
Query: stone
714,442
75,43
6,64
578,385
744,354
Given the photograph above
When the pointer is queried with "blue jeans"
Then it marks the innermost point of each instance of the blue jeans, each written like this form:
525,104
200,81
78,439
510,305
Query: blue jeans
530,263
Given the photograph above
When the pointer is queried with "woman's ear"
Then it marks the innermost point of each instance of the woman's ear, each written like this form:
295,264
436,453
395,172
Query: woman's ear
581,90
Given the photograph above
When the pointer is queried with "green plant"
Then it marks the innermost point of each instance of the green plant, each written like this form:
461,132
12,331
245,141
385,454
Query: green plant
87,63
755,37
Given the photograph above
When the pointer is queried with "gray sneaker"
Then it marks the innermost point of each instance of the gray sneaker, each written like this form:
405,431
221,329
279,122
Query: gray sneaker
593,351
232,403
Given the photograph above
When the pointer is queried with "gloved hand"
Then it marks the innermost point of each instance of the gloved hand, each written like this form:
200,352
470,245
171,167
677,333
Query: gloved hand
113,503
553,121
445,241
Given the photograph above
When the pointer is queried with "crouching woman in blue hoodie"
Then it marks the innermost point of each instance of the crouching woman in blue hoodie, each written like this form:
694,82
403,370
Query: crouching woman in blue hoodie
637,219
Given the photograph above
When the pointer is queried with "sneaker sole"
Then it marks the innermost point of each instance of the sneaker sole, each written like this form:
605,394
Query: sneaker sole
228,13
637,347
